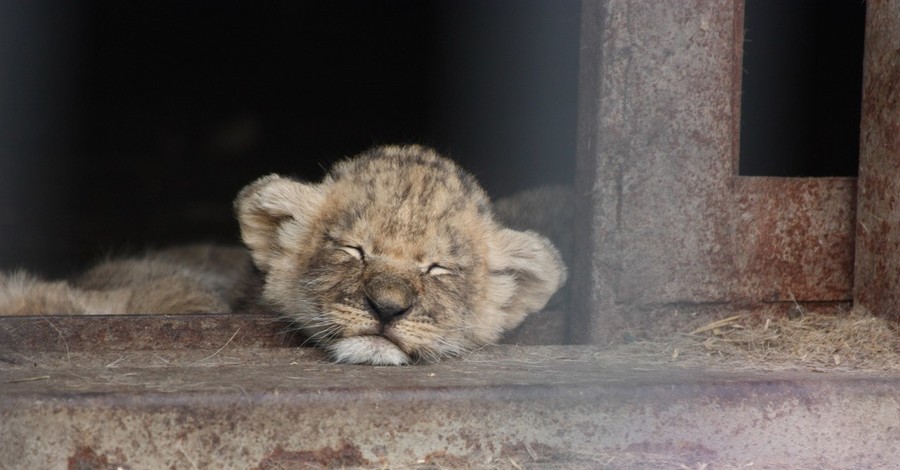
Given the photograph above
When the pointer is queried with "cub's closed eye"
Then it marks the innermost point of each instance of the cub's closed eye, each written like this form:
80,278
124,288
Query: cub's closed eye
437,270
354,251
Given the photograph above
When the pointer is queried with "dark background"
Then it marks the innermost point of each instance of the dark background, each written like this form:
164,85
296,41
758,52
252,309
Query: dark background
126,124
802,87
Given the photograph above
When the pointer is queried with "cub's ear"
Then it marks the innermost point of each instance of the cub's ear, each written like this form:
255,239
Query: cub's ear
275,213
531,269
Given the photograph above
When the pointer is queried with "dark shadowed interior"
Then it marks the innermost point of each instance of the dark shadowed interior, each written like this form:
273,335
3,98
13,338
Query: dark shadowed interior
128,124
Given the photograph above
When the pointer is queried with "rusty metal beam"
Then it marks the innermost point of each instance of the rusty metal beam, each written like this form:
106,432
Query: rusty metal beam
877,273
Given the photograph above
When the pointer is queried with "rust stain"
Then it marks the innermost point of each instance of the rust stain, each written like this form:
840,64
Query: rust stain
85,458
444,459
347,455
794,239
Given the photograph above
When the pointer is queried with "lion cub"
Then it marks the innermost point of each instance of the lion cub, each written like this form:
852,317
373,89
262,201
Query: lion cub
394,257
187,279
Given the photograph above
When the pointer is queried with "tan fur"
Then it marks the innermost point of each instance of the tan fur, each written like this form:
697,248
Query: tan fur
401,233
190,279
549,211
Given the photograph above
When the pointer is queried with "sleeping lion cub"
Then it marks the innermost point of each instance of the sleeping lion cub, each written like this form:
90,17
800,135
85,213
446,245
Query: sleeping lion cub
394,257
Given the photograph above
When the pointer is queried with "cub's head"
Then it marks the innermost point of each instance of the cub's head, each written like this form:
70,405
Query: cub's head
394,257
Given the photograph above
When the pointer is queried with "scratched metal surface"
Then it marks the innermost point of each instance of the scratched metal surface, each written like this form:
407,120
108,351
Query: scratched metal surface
502,407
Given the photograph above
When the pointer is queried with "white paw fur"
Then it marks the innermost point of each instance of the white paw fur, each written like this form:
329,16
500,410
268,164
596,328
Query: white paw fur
373,350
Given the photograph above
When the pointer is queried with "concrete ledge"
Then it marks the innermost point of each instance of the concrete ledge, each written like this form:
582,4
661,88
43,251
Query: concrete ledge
254,329
503,407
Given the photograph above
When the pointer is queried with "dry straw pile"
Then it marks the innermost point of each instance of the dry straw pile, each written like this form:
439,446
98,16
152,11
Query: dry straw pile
836,339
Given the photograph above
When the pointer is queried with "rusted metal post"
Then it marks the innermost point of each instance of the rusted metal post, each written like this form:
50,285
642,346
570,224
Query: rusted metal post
877,276
654,159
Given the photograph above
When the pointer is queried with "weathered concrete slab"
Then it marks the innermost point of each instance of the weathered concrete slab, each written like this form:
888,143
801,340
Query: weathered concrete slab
877,274
504,407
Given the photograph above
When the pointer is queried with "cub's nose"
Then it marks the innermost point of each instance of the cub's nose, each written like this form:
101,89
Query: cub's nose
389,297
385,309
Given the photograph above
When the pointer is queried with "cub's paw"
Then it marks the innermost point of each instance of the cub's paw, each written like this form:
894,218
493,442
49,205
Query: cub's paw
373,350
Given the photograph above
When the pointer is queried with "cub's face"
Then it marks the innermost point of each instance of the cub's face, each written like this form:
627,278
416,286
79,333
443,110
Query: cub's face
393,258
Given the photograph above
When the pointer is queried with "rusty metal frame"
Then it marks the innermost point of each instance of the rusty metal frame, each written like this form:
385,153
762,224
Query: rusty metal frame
667,225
